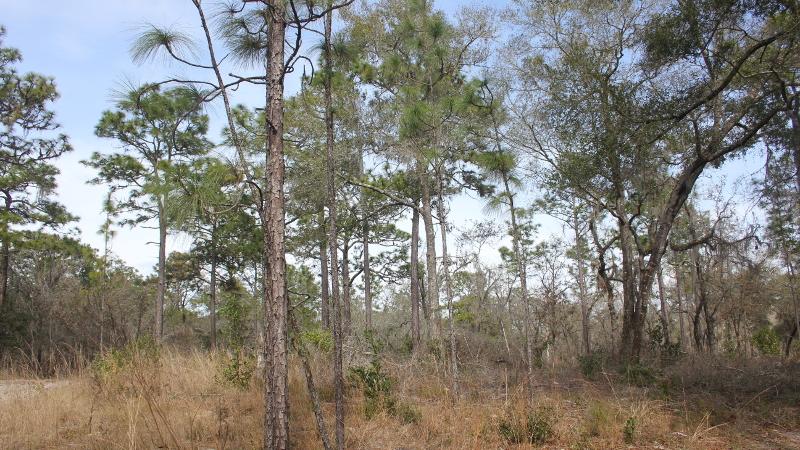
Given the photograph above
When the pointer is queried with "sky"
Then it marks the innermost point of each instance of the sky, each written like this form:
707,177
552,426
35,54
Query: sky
84,45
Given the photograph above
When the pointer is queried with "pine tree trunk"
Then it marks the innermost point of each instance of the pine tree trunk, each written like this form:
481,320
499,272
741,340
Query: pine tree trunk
213,285
448,289
415,290
346,313
367,279
432,278
580,243
276,432
162,275
338,378
325,282
5,263
522,271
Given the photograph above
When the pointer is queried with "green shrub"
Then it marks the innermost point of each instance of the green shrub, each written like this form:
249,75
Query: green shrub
767,342
598,418
237,370
629,430
510,431
115,361
378,397
539,425
537,428
639,375
376,386
591,364
320,338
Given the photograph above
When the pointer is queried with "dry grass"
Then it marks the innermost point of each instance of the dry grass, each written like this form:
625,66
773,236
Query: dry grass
179,402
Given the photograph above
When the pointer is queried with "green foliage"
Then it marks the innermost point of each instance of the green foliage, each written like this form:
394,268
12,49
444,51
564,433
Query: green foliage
320,338
598,418
118,362
237,370
767,342
235,311
536,428
377,388
629,430
592,364
639,374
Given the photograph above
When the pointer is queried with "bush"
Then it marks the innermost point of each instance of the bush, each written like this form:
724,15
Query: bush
639,375
767,342
320,338
537,428
591,364
237,370
629,431
377,388
114,362
598,419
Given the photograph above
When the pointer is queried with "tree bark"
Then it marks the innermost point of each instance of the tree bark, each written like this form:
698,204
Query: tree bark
432,278
276,433
367,278
580,244
325,308
5,254
448,288
679,300
347,318
162,274
302,351
522,272
415,290
324,281
664,310
213,285
338,378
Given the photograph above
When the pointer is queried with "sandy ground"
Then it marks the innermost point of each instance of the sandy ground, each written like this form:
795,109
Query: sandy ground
10,389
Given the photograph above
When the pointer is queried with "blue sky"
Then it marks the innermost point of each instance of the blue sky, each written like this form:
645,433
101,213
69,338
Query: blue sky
84,45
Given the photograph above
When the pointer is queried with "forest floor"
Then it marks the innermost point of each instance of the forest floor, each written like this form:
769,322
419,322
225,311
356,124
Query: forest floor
180,401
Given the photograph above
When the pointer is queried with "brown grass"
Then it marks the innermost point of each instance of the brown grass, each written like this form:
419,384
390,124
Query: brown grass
179,402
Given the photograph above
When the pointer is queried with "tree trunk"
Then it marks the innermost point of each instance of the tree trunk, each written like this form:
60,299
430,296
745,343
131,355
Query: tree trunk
415,290
679,300
325,288
664,311
630,312
367,274
580,244
213,285
5,263
448,288
324,281
347,319
300,347
162,274
367,279
276,433
338,378
522,272
432,278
